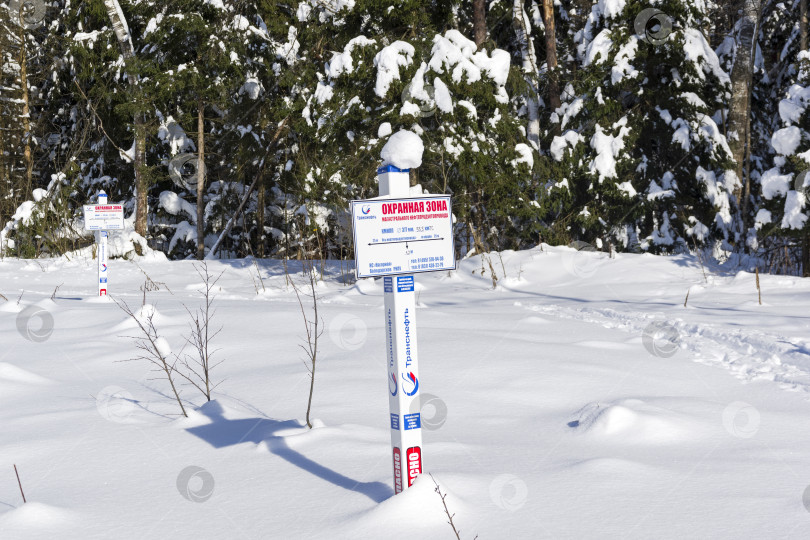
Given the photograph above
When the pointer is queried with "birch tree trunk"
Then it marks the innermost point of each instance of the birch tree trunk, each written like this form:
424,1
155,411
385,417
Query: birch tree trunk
739,114
121,30
479,22
28,155
200,180
530,72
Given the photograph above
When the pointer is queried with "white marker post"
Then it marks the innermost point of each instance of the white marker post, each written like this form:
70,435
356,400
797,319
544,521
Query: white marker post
100,218
396,236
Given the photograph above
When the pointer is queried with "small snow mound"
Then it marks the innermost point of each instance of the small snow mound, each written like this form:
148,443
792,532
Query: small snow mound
99,300
14,374
634,421
418,500
365,286
9,307
33,516
403,150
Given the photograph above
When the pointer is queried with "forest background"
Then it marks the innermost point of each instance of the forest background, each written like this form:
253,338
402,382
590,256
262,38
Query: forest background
616,125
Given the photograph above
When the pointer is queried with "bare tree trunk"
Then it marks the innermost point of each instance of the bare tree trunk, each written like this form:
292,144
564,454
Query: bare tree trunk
200,181
803,24
520,21
141,184
479,22
260,220
121,30
739,115
28,155
551,55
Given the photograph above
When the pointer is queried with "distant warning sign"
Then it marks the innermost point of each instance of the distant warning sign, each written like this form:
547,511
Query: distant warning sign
403,236
103,217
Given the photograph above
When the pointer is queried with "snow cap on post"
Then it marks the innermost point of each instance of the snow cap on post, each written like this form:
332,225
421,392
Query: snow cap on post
403,150
102,197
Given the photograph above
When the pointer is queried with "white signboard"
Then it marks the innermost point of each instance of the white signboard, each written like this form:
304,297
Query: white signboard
403,236
103,217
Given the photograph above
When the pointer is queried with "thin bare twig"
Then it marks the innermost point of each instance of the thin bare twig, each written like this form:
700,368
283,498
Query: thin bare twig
313,330
446,510
19,483
198,368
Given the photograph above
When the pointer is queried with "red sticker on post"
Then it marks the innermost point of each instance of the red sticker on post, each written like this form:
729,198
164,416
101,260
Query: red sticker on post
414,464
397,471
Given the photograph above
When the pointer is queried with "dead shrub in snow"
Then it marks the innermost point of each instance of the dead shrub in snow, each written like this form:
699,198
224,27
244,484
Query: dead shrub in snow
154,348
199,365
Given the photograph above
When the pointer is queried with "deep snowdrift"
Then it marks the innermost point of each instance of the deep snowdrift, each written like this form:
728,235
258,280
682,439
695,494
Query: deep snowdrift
580,398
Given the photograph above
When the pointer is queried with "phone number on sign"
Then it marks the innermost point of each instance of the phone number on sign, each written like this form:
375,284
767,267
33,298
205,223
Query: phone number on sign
427,262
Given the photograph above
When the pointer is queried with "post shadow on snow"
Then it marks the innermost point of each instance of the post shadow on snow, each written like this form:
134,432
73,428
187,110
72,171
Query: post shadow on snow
222,432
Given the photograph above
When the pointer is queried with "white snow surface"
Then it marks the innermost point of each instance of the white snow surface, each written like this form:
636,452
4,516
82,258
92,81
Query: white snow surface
794,218
774,184
388,61
343,62
569,402
599,48
560,143
444,101
457,55
786,140
403,150
607,148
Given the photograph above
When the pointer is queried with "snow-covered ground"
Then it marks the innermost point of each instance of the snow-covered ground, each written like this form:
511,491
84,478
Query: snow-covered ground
578,399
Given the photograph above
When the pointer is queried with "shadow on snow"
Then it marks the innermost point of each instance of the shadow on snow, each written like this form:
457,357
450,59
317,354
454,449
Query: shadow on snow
222,432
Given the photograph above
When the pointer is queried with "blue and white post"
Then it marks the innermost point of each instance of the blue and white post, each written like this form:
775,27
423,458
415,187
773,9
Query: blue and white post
400,341
101,252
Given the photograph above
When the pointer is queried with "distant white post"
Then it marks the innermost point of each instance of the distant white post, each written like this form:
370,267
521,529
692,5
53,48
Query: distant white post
101,218
101,242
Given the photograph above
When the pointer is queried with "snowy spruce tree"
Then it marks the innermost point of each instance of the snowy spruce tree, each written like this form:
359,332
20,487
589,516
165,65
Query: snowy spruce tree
394,69
189,64
641,161
785,187
76,127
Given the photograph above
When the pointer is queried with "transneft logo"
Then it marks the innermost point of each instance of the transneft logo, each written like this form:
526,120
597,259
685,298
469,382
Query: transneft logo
366,208
411,379
397,471
407,339
392,384
414,464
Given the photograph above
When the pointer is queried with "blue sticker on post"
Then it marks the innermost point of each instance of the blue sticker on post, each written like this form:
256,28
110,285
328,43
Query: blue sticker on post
395,421
412,421
388,283
405,284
